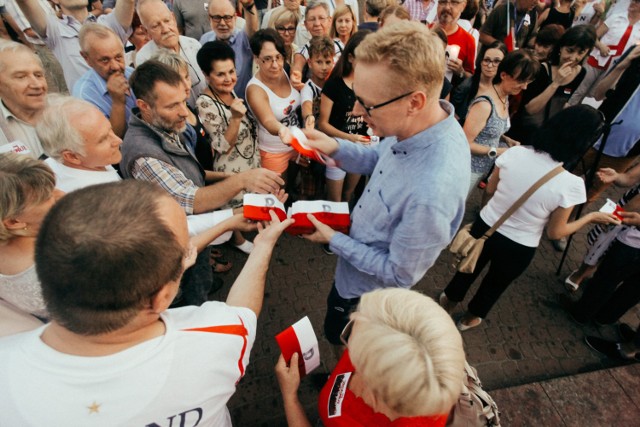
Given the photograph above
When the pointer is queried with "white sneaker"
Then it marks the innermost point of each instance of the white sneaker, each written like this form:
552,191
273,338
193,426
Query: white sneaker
245,247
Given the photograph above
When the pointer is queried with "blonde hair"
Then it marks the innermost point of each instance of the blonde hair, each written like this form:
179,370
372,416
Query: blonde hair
24,182
412,52
394,10
408,351
171,59
340,11
283,16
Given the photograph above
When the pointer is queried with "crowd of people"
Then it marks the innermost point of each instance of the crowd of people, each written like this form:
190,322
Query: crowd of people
131,130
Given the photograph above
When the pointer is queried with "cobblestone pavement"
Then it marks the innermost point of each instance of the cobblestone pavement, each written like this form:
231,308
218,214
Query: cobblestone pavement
526,337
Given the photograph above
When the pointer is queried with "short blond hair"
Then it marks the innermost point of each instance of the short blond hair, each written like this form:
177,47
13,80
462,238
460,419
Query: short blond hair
24,182
97,30
408,351
283,16
412,52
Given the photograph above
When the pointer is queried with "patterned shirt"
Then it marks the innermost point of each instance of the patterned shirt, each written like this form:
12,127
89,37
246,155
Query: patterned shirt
421,12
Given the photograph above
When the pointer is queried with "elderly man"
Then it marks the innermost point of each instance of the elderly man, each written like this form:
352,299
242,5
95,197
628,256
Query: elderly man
461,46
223,24
111,258
158,147
424,11
399,226
106,84
161,26
23,96
522,20
61,35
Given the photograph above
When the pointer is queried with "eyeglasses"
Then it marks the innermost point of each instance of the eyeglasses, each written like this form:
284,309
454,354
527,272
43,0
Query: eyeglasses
346,332
271,59
218,18
382,104
450,2
286,29
314,20
489,61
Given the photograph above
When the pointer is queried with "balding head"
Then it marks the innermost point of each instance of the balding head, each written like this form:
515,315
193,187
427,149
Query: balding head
160,23
218,10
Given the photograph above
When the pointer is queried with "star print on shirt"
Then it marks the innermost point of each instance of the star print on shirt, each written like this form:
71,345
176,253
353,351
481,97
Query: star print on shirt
94,408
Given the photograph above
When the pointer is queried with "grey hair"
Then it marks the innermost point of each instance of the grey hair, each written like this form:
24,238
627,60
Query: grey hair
170,59
11,47
54,128
97,30
313,4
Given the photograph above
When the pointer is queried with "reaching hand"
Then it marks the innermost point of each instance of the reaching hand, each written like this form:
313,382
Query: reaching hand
269,232
607,175
262,181
240,223
603,218
630,218
323,233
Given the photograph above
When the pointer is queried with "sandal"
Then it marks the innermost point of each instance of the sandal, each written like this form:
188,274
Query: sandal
462,326
216,253
220,265
569,284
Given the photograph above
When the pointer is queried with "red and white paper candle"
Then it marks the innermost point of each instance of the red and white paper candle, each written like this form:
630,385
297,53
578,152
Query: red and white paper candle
257,207
300,338
298,142
612,208
334,214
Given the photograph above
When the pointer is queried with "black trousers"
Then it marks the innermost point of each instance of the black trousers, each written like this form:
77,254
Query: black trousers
337,317
614,288
507,260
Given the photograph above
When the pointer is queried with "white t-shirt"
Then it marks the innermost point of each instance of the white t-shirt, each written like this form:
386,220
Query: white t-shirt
520,168
183,378
285,111
70,179
310,91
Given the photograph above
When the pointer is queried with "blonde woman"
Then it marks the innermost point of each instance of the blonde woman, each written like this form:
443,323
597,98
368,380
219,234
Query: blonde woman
27,192
343,25
285,23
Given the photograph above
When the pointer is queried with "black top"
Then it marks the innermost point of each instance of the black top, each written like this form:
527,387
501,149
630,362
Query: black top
203,151
343,101
560,18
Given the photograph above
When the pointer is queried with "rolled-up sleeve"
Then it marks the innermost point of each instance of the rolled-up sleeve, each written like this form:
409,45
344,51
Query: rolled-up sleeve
169,178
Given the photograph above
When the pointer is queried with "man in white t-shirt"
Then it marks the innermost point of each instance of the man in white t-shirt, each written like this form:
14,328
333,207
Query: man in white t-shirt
110,258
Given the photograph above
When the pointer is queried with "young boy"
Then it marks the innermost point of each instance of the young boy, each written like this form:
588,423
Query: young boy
320,63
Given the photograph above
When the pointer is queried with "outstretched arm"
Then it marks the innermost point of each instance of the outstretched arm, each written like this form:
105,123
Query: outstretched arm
248,289
36,16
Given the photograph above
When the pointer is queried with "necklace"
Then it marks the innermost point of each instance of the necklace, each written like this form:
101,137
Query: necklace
499,97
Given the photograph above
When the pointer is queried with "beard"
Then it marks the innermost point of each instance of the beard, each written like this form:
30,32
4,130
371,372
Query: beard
169,126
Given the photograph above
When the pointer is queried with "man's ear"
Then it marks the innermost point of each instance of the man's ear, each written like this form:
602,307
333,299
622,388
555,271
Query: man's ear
417,102
144,107
164,297
69,157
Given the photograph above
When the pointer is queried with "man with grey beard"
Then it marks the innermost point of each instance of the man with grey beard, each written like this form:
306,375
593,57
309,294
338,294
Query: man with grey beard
158,147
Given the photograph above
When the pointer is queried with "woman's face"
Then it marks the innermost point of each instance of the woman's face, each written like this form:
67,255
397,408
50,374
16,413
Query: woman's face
186,79
512,85
344,24
572,54
287,31
490,62
222,77
270,61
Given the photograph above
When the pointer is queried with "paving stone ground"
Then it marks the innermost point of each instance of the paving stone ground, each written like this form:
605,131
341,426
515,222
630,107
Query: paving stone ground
526,337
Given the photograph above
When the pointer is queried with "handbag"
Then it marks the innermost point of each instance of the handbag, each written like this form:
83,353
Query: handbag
468,249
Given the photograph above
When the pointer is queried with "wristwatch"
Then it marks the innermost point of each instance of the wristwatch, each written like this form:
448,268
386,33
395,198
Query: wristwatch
493,153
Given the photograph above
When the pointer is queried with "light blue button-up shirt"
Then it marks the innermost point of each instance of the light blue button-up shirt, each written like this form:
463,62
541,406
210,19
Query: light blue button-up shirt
410,210
239,42
93,88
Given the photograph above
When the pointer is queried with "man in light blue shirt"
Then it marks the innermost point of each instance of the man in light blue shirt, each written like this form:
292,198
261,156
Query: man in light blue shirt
106,84
414,201
223,24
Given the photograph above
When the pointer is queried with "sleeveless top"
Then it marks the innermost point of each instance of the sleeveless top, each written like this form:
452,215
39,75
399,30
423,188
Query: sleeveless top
489,136
286,112
23,291
560,18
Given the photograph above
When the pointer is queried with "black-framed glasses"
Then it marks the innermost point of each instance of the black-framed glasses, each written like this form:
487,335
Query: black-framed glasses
450,2
271,59
382,104
218,18
346,332
489,61
286,29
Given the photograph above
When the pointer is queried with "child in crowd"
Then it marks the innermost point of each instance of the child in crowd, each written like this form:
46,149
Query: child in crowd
320,63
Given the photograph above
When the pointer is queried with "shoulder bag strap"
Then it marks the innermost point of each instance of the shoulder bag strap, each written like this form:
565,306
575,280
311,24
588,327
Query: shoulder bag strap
523,198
